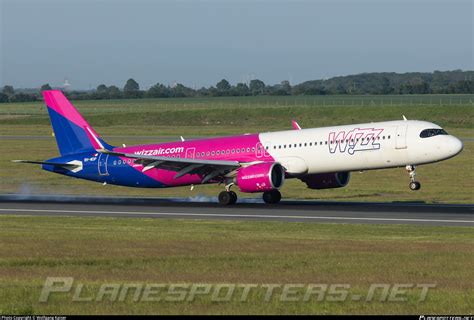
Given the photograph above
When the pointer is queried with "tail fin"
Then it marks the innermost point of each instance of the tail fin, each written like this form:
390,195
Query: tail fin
73,133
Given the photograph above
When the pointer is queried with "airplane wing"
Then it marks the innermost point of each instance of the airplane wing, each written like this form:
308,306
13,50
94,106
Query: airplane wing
210,169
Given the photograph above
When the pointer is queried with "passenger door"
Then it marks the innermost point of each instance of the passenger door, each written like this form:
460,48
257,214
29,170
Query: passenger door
102,164
190,153
401,137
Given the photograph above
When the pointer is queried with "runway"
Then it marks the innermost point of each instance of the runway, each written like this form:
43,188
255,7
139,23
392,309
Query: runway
250,210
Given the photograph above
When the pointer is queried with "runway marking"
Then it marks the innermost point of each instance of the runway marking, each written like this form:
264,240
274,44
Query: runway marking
236,215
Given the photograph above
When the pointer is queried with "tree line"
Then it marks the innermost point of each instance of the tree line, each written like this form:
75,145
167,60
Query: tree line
437,82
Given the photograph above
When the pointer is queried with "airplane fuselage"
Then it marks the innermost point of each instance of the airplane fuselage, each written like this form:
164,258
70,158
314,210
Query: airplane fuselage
346,148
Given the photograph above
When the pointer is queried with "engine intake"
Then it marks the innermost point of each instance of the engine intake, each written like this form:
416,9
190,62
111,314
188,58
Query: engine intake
327,180
260,177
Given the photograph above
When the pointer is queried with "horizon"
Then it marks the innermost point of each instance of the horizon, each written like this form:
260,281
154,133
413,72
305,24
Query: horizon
199,43
59,87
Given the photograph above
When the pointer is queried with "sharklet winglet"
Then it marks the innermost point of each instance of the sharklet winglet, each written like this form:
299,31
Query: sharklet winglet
295,124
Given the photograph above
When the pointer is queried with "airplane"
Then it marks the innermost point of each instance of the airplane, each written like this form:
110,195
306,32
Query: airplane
255,163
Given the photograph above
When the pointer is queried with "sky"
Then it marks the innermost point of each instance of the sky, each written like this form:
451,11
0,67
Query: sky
198,43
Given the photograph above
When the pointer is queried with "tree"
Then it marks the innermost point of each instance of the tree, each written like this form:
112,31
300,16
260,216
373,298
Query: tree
223,87
340,89
3,98
131,86
101,88
181,91
286,87
8,90
386,89
203,92
22,97
241,89
257,87
131,89
158,91
102,92
463,86
45,87
114,92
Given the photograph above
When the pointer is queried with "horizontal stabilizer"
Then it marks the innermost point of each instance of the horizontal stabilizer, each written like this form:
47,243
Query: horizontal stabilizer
73,166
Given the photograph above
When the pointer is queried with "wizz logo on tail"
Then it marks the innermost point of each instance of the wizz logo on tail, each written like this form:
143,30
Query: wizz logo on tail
358,139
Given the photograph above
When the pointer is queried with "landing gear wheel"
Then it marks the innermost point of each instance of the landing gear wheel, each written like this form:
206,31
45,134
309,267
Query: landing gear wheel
415,185
226,198
273,196
234,197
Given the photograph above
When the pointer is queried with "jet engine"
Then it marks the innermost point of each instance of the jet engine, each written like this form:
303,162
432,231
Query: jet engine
327,180
260,177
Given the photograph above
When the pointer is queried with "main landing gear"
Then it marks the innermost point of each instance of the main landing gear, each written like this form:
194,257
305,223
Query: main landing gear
230,197
414,185
227,197
272,196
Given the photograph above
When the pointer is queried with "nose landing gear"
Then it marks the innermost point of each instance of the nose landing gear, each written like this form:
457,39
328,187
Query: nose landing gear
414,185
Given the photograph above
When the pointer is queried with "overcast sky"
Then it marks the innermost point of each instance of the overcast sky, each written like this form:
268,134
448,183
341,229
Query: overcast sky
197,43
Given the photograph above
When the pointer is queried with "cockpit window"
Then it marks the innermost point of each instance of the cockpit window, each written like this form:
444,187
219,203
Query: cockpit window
431,133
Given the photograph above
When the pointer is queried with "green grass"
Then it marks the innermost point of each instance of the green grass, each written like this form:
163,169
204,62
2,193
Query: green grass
232,115
124,250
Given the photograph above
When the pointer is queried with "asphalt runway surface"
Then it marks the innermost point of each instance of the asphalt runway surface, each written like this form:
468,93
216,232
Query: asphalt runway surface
248,209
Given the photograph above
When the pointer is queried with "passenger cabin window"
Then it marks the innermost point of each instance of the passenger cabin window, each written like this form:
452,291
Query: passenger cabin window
432,132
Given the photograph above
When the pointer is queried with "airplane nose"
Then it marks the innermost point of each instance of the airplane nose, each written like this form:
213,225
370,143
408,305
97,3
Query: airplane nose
456,146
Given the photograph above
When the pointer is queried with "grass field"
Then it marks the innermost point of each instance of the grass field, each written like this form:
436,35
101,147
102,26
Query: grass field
128,121
140,251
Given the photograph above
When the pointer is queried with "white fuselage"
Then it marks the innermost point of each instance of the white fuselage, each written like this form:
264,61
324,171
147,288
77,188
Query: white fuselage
359,147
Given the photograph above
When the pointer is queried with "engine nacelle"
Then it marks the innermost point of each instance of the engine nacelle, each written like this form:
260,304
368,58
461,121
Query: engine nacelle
260,177
327,180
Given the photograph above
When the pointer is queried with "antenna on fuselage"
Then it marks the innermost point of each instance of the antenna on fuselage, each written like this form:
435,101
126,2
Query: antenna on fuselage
182,139
404,118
